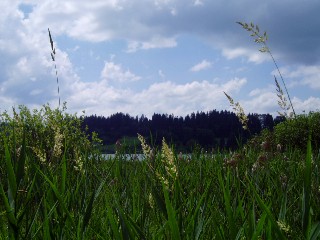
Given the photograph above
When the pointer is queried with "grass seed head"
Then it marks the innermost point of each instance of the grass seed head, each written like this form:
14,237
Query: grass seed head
168,160
147,151
239,112
58,142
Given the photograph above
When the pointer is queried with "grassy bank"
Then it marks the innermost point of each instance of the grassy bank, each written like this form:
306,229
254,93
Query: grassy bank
55,185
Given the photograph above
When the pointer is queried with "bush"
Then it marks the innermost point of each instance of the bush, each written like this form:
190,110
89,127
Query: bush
48,169
294,132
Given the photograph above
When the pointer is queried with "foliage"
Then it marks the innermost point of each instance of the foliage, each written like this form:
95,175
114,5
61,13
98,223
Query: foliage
294,132
253,193
212,129
48,183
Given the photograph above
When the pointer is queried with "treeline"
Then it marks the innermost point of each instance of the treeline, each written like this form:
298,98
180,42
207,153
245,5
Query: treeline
207,129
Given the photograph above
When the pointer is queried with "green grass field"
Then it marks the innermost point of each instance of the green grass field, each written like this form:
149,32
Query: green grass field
56,185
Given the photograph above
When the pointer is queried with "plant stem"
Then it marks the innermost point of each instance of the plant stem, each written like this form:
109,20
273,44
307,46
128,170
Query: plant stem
285,87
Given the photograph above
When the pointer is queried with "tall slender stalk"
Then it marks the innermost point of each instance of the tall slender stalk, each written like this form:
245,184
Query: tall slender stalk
53,56
259,38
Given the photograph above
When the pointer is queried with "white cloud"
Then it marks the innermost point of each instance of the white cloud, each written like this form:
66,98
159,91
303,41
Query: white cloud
302,75
115,72
265,100
306,105
261,101
164,97
198,3
155,42
27,73
161,74
201,66
252,55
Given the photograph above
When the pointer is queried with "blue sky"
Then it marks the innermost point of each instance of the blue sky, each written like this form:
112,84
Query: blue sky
158,56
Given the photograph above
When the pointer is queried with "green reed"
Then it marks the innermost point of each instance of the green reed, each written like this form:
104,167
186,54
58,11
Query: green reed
252,193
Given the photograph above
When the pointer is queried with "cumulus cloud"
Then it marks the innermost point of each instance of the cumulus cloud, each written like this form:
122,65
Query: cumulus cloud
261,101
251,54
115,72
306,105
198,3
201,66
155,42
27,74
265,100
164,97
302,75
148,24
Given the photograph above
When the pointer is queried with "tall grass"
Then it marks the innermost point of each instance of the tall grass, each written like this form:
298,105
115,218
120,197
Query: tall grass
165,196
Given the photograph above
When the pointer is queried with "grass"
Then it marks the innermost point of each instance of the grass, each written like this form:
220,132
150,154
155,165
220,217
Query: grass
162,197
55,185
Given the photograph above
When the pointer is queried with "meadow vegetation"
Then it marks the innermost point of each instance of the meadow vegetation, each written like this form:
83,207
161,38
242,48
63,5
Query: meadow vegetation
55,184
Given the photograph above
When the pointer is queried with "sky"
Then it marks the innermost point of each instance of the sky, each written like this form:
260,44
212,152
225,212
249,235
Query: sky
158,56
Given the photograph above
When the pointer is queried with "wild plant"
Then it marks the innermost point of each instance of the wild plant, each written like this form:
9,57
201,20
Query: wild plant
51,184
262,39
239,112
282,102
53,57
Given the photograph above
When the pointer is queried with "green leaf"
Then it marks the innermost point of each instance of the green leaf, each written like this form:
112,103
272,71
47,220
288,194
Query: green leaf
58,196
22,159
315,231
9,211
112,221
12,188
306,220
259,228
171,215
265,208
227,203
89,208
63,173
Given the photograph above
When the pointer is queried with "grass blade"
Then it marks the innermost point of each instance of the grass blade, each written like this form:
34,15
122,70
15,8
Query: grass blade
306,218
259,228
10,213
12,188
227,203
89,208
58,196
171,215
22,160
315,231
63,173
265,208
112,221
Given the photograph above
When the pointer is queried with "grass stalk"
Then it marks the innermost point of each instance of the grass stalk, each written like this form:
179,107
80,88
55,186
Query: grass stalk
262,39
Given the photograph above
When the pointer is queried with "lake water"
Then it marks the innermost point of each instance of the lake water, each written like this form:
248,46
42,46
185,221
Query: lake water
130,157
135,157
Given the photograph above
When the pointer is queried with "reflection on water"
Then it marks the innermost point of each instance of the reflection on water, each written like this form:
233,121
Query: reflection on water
129,157
139,157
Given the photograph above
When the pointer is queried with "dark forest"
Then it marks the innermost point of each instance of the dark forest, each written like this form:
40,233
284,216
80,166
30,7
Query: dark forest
213,129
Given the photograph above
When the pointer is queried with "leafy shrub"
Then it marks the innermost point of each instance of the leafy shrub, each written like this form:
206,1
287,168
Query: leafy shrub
294,132
48,135
47,167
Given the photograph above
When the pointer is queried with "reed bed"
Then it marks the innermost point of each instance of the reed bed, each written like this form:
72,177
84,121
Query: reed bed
254,193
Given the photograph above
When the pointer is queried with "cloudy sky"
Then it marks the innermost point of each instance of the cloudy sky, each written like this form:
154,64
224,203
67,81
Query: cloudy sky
157,56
